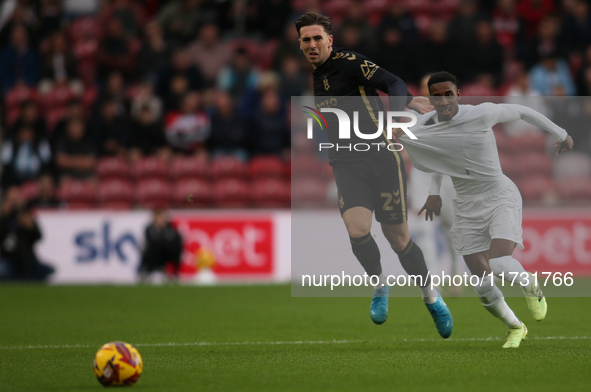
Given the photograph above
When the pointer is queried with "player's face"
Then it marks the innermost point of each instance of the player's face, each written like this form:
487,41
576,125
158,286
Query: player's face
444,97
315,44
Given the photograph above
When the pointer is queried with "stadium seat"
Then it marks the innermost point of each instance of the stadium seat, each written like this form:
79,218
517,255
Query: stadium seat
306,165
113,167
231,193
115,193
154,193
227,166
575,189
572,165
78,194
29,190
192,193
19,94
308,192
535,163
265,167
150,167
270,193
189,168
511,167
535,188
53,117
530,141
57,97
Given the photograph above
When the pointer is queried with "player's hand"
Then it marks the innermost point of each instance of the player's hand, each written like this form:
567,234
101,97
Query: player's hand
432,206
421,105
566,145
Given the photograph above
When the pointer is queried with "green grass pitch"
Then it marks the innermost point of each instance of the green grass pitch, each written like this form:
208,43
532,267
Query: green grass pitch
259,338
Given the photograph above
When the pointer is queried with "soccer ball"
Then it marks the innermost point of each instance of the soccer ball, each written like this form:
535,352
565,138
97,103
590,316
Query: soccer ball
118,363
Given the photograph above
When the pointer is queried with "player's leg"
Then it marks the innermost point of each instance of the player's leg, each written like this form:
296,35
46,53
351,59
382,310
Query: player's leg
391,212
493,300
506,233
356,206
502,262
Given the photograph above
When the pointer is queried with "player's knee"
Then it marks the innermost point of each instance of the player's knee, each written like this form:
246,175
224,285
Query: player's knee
399,241
358,231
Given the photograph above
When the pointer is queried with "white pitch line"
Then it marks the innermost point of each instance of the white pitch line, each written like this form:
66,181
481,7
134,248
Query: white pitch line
297,342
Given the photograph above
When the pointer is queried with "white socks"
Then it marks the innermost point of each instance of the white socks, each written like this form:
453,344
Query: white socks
429,295
509,266
492,299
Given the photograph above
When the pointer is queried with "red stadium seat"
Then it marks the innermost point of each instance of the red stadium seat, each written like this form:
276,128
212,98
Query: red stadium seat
77,194
535,163
150,167
116,194
192,193
84,28
534,188
57,97
189,168
512,168
231,193
266,167
19,94
306,166
29,190
113,167
271,193
575,189
308,192
227,166
154,193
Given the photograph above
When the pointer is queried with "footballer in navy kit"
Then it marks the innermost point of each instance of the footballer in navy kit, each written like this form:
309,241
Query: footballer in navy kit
372,180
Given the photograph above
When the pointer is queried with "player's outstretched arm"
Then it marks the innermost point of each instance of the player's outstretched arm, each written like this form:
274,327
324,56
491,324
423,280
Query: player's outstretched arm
507,112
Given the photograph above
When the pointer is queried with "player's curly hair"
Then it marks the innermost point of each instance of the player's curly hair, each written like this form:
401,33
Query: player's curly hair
311,19
440,77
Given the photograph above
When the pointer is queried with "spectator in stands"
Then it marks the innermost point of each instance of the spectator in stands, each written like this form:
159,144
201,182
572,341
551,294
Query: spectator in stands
113,90
128,12
75,110
18,234
24,157
228,133
155,53
58,66
18,61
239,76
461,28
533,12
51,17
23,15
288,47
30,118
437,52
355,18
181,65
398,18
273,16
394,55
114,52
147,136
506,23
210,54
163,245
547,41
270,134
550,73
180,19
188,129
485,54
75,152
46,194
145,96
111,130
577,26
293,78
350,38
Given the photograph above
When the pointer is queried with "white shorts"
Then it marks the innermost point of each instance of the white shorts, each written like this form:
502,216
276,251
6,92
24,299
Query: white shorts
479,219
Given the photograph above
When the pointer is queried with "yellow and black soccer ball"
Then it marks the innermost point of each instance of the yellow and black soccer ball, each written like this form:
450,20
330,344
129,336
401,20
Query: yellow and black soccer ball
118,363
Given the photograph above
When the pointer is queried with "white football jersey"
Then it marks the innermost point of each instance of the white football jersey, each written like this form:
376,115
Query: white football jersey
465,148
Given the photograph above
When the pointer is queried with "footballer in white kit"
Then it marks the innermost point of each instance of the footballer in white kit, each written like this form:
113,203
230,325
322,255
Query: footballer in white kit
458,141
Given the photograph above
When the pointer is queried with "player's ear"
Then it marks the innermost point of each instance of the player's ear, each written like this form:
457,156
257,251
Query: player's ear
459,95
330,40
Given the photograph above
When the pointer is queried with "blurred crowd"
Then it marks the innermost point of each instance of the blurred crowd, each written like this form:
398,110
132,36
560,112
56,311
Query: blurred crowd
88,81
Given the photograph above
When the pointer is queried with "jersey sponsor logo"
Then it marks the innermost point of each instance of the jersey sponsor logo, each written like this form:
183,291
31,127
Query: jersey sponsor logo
368,68
342,55
327,103
326,85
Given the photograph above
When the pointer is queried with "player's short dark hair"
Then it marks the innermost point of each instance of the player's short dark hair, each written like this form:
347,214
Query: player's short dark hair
440,77
312,19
